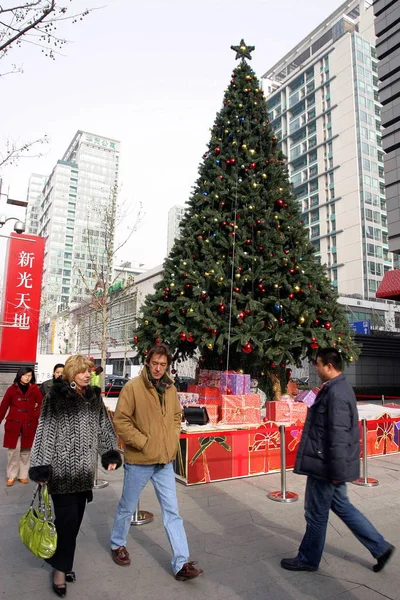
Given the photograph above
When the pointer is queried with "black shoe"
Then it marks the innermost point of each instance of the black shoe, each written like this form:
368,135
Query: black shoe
382,560
293,564
70,577
60,590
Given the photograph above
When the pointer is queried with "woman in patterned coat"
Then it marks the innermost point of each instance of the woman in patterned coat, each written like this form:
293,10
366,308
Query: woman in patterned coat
21,404
74,428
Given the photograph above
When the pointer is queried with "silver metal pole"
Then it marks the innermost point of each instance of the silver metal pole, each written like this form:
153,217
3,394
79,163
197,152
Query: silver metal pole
365,481
141,517
99,483
283,495
383,399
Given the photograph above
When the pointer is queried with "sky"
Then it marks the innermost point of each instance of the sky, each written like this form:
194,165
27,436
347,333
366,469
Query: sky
150,73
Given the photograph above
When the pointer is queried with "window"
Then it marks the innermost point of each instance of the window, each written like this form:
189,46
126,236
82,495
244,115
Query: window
315,231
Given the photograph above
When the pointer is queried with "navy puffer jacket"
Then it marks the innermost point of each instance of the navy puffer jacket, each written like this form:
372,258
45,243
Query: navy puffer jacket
330,444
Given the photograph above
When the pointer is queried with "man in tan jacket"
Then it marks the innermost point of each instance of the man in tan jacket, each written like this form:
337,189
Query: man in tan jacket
148,420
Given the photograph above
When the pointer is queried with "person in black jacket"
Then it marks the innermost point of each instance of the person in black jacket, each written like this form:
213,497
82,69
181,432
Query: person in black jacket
329,454
48,384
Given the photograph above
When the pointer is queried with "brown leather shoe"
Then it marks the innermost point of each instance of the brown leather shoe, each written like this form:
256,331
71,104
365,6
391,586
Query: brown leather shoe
121,556
10,482
188,571
23,480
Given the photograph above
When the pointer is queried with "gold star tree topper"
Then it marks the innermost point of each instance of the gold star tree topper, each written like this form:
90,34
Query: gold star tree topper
243,51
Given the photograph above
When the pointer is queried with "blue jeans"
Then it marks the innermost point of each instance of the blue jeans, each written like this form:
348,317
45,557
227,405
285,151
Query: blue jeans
163,480
321,496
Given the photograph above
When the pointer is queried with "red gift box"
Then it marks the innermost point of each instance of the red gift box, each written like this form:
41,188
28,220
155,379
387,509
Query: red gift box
240,409
209,459
206,394
286,411
209,377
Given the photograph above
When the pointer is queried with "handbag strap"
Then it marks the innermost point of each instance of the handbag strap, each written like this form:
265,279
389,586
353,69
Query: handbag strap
44,502
35,494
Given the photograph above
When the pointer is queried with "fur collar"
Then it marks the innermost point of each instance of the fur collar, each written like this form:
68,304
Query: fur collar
62,390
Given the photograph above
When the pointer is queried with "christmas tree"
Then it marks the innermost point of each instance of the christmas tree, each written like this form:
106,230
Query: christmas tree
242,286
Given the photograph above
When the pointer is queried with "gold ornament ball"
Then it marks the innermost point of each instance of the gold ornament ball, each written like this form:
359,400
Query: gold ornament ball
209,346
234,143
276,285
146,322
276,217
264,176
296,288
254,184
244,147
182,293
339,339
301,319
172,284
237,275
252,151
191,310
240,105
221,278
351,358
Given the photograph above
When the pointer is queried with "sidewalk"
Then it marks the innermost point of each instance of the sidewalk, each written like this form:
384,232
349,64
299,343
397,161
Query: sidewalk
235,532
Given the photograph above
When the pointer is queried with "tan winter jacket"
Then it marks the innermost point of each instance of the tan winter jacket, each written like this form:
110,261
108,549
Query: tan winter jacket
150,431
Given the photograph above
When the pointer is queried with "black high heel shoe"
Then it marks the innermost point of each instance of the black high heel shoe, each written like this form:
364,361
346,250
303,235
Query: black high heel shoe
59,588
70,577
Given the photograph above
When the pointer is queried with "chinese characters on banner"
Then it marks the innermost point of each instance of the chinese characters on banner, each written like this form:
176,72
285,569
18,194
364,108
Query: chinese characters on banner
21,298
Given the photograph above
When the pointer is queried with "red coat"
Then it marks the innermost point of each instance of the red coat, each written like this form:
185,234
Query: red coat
23,415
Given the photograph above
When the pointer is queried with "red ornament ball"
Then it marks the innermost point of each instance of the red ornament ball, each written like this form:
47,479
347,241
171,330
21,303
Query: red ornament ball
135,339
291,296
247,348
314,345
173,371
182,336
252,165
328,325
190,337
214,331
241,315
217,150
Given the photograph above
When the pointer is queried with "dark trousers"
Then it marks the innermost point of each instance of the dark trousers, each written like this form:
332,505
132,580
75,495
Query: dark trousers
322,496
68,510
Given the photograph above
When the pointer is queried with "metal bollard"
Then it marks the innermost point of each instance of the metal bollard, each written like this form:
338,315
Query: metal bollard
141,517
365,480
383,399
99,483
283,495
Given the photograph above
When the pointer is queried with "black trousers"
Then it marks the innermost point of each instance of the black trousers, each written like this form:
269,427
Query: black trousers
69,510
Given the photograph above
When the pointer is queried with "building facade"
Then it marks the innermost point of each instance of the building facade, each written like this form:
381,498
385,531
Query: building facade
324,106
175,216
387,28
35,188
71,219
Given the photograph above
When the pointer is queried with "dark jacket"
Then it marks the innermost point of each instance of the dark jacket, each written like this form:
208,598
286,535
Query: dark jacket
23,415
72,430
149,428
46,386
330,443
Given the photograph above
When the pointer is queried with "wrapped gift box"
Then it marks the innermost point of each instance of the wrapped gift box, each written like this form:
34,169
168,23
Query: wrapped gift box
206,394
186,398
238,409
286,411
397,433
209,377
307,397
234,383
213,411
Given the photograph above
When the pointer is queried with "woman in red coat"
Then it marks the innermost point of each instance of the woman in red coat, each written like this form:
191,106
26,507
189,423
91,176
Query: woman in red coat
22,400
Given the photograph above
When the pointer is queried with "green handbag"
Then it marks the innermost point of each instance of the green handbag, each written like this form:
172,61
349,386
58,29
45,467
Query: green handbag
36,528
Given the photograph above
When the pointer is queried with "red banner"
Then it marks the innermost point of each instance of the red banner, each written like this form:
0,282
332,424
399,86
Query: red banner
21,300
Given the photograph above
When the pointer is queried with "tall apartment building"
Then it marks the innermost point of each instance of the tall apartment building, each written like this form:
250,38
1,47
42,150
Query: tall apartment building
175,215
387,28
324,106
71,219
35,187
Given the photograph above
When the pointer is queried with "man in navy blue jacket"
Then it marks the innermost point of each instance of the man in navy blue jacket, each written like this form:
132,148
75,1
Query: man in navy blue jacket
329,454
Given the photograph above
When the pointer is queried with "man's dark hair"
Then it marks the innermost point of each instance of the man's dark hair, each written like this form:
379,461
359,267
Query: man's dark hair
332,356
57,366
24,371
160,349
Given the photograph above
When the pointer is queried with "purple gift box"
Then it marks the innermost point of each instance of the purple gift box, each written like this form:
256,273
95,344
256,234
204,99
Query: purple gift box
234,383
397,433
306,397
186,398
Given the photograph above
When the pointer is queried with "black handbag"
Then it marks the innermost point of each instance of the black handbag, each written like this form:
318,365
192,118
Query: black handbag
196,415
